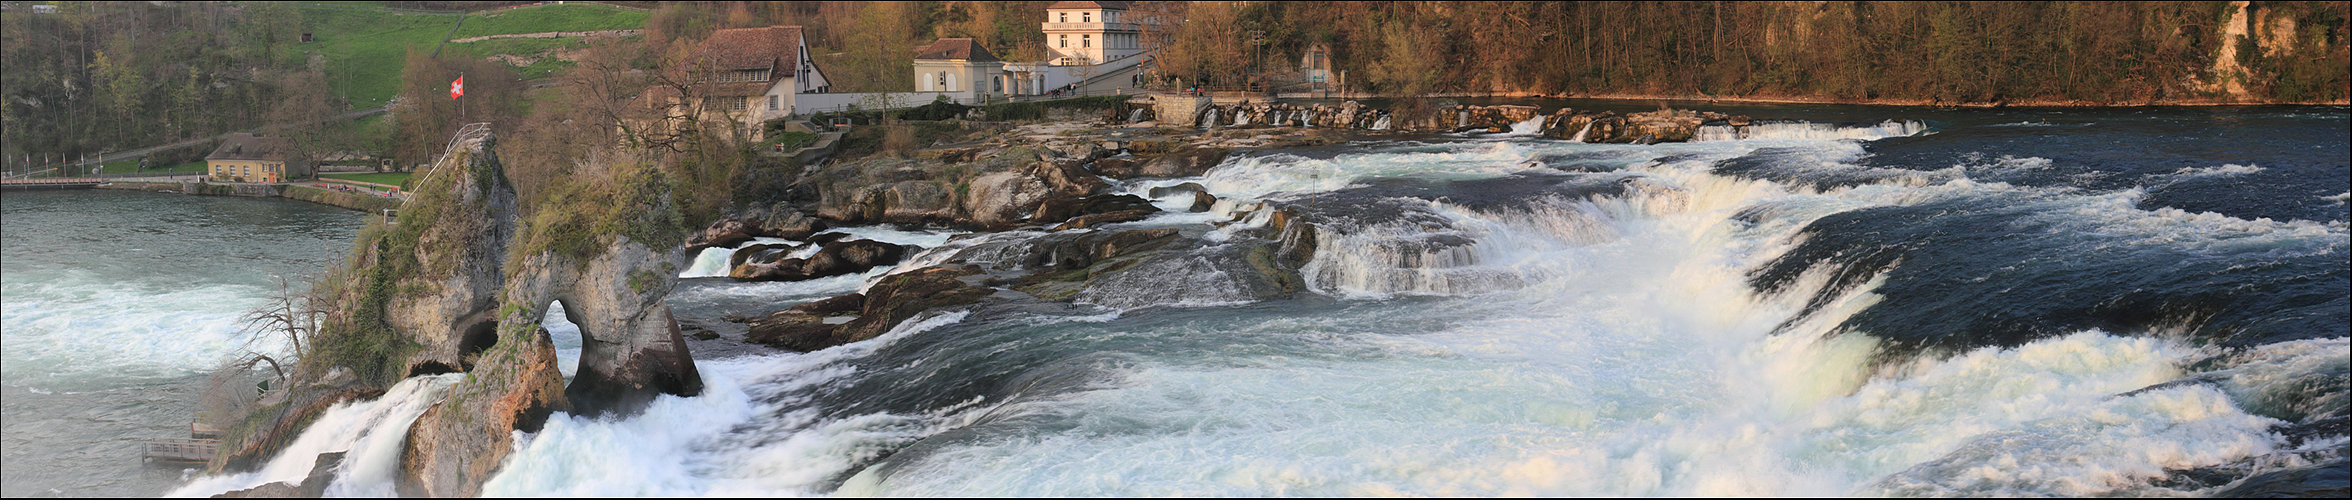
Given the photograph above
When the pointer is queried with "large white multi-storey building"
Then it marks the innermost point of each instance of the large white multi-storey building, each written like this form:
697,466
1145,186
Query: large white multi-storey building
1088,33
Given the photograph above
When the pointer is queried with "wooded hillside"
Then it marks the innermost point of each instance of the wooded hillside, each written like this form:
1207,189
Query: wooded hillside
1979,52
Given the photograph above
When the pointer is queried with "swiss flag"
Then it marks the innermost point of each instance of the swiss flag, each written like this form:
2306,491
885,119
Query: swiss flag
457,88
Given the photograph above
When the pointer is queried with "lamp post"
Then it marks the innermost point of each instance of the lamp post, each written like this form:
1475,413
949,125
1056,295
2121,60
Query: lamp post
1258,66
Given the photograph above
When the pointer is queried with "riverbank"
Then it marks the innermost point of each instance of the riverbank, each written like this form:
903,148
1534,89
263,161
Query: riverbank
296,192
1717,99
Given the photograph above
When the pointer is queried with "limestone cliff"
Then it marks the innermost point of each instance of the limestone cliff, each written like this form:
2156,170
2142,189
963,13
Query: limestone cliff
460,281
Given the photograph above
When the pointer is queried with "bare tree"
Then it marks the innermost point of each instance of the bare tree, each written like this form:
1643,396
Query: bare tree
290,317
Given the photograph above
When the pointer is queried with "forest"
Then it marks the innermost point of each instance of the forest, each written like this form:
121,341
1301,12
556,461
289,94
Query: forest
97,76
1942,52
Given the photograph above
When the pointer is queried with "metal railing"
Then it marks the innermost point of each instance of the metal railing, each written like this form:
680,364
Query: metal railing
465,136
182,450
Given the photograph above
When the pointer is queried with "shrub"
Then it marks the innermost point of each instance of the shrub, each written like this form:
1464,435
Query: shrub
937,110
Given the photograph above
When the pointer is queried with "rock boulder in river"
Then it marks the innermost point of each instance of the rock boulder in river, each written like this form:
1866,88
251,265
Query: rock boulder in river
834,258
889,302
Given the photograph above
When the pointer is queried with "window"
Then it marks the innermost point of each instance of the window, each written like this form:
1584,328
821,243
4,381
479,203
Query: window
1065,41
738,104
771,103
1085,40
1065,18
1086,17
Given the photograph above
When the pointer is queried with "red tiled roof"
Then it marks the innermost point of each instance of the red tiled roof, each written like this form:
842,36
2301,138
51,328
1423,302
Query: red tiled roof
244,146
955,48
753,48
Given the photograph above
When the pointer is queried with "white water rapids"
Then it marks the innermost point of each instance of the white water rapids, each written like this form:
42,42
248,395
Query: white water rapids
1576,346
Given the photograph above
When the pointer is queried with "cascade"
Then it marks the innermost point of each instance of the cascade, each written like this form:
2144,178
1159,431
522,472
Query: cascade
1810,130
1135,116
1581,132
1532,126
712,262
371,434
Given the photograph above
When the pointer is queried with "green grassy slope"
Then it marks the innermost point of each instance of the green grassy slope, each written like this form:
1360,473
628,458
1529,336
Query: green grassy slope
546,18
364,47
364,43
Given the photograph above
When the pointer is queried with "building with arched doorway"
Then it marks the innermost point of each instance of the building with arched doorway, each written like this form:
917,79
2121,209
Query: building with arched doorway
961,68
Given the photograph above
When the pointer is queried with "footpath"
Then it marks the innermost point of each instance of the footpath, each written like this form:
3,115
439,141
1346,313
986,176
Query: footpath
362,196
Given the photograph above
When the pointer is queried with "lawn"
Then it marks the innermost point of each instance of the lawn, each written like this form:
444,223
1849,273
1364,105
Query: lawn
366,44
365,47
546,18
385,178
541,49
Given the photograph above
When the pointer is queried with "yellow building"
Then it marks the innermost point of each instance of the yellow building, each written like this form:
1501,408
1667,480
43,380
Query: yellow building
246,158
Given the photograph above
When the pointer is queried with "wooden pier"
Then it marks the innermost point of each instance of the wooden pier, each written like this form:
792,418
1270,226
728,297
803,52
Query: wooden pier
76,183
182,450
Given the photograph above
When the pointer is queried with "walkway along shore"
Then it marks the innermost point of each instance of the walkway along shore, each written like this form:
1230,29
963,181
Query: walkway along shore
361,199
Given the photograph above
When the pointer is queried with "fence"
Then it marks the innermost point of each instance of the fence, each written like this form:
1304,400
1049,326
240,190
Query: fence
804,104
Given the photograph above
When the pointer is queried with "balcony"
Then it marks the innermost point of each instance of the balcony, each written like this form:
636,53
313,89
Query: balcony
1094,27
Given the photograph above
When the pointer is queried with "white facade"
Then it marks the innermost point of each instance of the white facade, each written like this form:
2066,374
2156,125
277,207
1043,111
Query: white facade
1085,33
965,81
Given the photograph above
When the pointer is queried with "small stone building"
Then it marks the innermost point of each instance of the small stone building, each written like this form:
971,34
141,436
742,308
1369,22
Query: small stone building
247,158
960,67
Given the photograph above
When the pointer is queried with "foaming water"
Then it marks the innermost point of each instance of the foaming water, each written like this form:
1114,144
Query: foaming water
371,435
1605,345
712,262
1810,131
732,440
1520,316
112,306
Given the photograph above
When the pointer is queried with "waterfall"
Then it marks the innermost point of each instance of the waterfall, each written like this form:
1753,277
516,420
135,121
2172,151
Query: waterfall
1241,117
1310,119
1809,130
1580,133
1135,116
1211,119
1380,124
1462,118
371,434
1532,126
712,262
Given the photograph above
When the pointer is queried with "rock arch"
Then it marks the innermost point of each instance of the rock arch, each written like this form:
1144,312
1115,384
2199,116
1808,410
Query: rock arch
484,317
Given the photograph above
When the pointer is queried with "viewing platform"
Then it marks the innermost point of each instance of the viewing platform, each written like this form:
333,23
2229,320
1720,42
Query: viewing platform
181,450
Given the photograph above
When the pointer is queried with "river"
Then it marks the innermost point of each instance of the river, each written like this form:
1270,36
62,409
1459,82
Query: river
1853,300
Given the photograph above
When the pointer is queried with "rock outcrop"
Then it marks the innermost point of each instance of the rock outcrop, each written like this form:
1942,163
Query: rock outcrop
459,282
832,258
612,286
893,300
998,190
